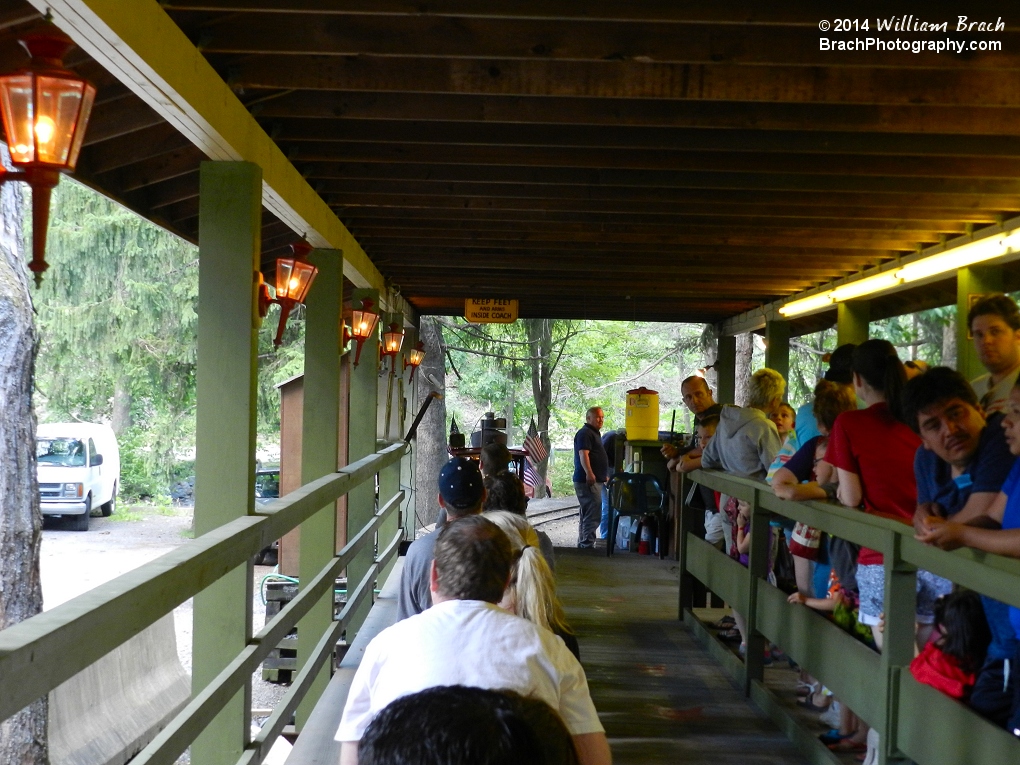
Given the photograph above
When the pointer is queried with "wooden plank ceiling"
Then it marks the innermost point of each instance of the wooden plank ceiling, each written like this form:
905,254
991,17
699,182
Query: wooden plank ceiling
655,159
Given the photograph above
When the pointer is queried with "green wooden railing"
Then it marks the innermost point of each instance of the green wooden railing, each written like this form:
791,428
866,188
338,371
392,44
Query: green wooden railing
914,721
40,653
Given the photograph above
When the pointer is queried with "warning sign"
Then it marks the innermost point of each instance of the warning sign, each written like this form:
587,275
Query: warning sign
490,311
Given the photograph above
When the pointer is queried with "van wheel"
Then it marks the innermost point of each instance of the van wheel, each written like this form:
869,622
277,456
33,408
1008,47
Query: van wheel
110,507
81,522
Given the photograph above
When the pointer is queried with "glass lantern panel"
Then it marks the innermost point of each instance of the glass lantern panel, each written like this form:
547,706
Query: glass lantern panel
16,109
58,102
362,323
301,280
392,341
417,356
79,128
284,269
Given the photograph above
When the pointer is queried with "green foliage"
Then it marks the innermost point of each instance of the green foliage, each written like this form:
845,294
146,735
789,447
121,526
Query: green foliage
117,323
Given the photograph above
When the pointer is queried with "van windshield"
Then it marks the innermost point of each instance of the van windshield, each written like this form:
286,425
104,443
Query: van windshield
60,452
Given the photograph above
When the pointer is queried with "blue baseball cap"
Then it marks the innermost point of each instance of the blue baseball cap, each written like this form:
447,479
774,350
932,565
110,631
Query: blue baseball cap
460,484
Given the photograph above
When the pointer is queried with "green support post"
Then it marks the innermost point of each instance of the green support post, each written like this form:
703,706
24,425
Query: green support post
754,655
970,284
362,427
389,485
320,433
852,319
686,523
898,643
777,348
229,235
726,370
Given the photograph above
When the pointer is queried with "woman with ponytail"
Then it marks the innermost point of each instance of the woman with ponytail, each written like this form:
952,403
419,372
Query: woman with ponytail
873,453
531,593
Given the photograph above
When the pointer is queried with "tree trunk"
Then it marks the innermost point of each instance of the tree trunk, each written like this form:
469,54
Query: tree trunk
121,419
23,736
540,338
949,345
745,347
431,441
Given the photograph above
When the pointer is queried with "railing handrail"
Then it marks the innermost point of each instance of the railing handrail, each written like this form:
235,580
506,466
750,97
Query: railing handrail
40,653
994,575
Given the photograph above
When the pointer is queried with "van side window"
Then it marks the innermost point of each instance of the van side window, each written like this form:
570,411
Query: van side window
92,450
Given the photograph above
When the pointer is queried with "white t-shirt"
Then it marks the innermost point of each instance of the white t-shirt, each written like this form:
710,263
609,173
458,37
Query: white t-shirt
473,643
993,397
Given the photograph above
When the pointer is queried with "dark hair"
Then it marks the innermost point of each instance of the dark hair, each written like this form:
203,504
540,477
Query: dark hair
494,458
995,304
879,366
505,491
966,634
831,400
457,725
696,378
937,385
473,559
711,421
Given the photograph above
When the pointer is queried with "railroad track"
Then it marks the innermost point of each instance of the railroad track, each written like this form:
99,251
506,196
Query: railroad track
556,514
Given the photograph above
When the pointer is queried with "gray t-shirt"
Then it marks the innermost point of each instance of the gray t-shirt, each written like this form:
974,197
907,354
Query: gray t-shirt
415,595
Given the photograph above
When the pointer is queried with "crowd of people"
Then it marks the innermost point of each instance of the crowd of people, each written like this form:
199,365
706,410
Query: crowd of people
481,665
921,446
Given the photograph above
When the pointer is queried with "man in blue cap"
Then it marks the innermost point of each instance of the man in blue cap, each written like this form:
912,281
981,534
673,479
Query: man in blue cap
461,493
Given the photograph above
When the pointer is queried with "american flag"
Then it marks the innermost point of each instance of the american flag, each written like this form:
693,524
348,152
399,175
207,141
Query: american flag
537,454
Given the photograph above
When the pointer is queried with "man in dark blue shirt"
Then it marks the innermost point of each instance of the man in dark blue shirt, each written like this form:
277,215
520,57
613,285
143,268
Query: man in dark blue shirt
591,471
960,466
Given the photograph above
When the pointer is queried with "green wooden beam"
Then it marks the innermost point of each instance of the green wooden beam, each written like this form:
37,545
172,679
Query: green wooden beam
726,370
777,348
362,428
319,449
971,283
230,224
852,318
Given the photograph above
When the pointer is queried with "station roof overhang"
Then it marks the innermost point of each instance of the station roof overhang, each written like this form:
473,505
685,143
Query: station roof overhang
655,161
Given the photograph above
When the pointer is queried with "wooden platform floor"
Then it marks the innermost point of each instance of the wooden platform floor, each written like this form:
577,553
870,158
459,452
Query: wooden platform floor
661,697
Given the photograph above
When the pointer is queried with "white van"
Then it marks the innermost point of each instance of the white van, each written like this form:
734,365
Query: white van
78,470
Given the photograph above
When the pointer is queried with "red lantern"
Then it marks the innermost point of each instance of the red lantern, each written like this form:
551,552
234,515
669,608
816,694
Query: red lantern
417,356
294,277
45,109
363,325
393,339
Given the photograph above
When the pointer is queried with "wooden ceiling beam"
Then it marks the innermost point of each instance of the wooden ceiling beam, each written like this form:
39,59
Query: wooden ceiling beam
664,213
546,39
322,175
162,167
287,129
149,142
942,120
803,13
308,153
428,195
767,83
907,230
118,119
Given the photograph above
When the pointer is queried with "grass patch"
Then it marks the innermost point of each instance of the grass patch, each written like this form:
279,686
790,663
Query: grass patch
128,515
188,533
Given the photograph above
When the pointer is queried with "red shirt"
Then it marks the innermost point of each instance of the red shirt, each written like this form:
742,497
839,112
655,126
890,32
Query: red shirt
880,449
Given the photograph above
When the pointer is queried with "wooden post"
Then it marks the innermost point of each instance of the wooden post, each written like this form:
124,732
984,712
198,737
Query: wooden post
852,319
726,369
410,409
754,656
319,445
777,349
971,283
898,641
686,580
363,423
230,224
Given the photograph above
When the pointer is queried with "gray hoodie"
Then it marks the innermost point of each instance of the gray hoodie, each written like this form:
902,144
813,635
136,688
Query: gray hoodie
744,444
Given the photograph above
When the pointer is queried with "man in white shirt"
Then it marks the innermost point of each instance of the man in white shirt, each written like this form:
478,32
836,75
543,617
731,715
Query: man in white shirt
465,639
994,323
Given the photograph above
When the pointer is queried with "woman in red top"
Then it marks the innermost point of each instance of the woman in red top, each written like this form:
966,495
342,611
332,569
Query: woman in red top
873,453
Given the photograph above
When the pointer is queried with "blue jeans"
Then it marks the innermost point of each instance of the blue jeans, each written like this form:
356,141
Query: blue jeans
604,525
589,497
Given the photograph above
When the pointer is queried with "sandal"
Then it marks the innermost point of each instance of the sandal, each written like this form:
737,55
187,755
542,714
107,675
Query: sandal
810,706
833,736
729,636
725,623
